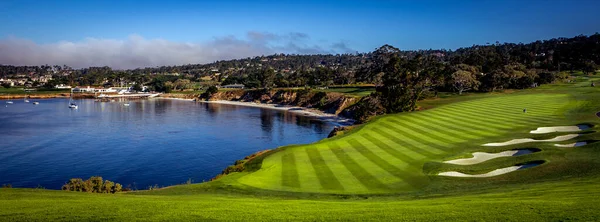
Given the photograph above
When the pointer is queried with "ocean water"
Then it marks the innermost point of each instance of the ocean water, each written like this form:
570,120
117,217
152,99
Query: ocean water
151,142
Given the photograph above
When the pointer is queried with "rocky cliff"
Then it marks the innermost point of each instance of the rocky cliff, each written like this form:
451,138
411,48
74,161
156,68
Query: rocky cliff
179,95
333,103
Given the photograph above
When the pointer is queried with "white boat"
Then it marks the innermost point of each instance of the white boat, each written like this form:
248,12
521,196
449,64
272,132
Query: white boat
72,104
126,104
35,103
9,102
25,100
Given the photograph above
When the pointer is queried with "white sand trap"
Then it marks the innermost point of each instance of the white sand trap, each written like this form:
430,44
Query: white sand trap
577,144
554,129
527,140
488,174
479,157
491,173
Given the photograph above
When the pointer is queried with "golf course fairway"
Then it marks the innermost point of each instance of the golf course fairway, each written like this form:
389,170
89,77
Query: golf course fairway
386,169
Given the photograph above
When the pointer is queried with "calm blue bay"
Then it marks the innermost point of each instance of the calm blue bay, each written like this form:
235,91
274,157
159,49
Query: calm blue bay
151,142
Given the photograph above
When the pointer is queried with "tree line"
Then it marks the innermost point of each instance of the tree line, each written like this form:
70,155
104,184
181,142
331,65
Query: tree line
486,67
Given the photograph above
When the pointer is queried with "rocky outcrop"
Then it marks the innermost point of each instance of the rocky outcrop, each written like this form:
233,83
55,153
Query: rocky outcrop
179,95
332,103
339,130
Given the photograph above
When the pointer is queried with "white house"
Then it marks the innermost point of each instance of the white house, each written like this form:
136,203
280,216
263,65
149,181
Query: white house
84,89
7,81
106,90
62,86
233,86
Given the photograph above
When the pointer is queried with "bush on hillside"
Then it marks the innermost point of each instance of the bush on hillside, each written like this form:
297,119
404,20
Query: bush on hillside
92,185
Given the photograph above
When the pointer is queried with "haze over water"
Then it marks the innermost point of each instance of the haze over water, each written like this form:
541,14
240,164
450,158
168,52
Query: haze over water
151,142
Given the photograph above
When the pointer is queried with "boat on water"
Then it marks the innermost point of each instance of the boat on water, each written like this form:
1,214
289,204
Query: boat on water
9,102
72,104
25,100
35,103
125,104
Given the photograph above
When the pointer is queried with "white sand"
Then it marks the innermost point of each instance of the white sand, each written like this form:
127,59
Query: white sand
294,109
479,157
541,130
488,174
174,98
527,140
577,144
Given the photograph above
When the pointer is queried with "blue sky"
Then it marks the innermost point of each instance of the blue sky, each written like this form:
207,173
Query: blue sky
359,25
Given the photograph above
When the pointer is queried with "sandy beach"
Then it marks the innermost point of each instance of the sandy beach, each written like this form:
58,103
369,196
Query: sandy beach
191,100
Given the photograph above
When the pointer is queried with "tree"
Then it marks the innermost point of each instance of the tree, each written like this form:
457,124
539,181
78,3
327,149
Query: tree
107,187
589,67
117,188
136,87
212,90
181,84
267,78
97,184
402,84
464,78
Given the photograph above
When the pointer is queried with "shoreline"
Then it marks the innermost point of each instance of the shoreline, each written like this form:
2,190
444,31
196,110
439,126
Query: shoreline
320,115
45,96
171,98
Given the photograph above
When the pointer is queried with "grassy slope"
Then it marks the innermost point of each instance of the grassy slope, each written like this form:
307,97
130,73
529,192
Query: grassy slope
384,171
352,91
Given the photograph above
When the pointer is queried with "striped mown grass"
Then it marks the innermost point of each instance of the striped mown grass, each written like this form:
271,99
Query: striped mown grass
394,160
388,154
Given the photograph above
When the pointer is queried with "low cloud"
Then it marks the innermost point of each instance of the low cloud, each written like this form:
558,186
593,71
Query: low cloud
136,51
341,47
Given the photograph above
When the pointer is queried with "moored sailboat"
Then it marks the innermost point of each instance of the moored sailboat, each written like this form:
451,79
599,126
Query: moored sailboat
72,104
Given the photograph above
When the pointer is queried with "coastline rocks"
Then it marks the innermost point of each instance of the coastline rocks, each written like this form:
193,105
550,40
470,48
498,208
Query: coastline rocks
338,130
179,96
330,102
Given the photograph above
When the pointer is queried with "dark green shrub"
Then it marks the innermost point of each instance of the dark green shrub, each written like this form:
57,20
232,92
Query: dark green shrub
92,185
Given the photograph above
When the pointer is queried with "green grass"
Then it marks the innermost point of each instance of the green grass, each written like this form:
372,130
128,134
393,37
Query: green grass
384,170
542,202
352,91
20,91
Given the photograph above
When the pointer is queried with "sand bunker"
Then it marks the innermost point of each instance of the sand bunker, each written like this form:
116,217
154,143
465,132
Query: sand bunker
527,140
541,130
479,157
577,144
491,173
